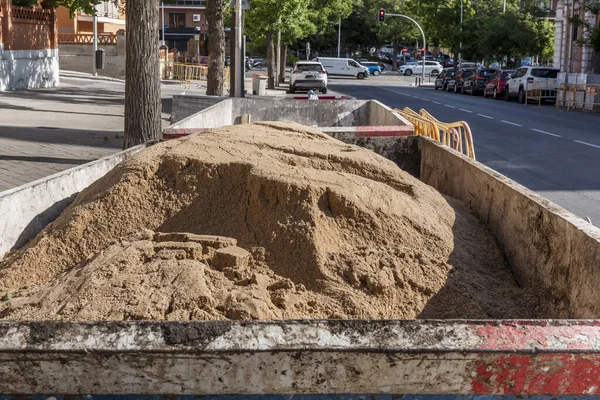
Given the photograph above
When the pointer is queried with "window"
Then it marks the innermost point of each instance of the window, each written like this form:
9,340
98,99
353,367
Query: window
353,63
430,63
197,17
520,72
197,3
506,74
176,20
544,73
309,67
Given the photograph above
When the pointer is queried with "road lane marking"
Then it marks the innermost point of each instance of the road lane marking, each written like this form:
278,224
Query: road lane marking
395,91
449,106
417,97
468,111
485,116
545,133
510,123
587,144
435,102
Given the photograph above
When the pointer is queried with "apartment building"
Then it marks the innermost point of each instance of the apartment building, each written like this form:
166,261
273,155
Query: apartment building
185,26
110,19
568,55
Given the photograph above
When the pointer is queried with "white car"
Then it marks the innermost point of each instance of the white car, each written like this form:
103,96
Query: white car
528,78
431,68
308,75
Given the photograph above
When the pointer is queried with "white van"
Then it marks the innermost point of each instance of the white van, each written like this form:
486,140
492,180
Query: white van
343,67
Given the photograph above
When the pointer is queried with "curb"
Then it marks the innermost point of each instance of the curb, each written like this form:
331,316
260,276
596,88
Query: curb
90,77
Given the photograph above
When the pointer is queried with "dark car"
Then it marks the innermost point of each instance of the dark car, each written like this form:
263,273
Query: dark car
459,79
452,78
442,79
495,86
475,83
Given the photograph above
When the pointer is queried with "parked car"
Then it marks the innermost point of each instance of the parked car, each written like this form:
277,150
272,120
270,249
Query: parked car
460,79
452,79
475,83
442,79
203,60
467,65
374,68
525,78
431,67
308,75
495,86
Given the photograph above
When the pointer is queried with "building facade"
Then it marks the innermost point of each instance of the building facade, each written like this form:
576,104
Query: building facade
568,55
110,19
28,47
185,26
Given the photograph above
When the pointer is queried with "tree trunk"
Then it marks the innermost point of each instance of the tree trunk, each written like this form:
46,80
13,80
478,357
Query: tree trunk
216,47
142,73
270,60
283,62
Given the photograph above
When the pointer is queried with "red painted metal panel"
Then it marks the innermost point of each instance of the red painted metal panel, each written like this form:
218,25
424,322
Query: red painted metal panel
541,374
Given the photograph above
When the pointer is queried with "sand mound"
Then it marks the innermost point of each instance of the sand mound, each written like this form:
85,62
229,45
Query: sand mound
303,226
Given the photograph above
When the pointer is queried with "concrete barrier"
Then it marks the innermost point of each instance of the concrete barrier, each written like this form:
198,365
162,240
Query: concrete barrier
370,117
549,249
27,209
302,357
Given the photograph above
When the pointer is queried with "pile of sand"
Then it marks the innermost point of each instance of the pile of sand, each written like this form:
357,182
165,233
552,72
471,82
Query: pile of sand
303,226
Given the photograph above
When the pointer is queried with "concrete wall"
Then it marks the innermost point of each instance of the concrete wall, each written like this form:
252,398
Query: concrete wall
33,206
79,57
114,65
184,106
28,69
214,116
300,357
346,113
549,249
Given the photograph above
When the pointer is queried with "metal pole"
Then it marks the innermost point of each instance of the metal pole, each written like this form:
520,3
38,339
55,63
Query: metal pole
163,21
95,40
504,8
460,46
339,36
239,71
422,34
278,62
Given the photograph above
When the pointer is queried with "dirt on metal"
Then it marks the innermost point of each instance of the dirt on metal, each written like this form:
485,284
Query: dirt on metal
261,221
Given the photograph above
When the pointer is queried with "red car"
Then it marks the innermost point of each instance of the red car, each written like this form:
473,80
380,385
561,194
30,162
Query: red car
495,86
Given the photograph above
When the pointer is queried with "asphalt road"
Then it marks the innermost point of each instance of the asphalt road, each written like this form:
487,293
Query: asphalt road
551,151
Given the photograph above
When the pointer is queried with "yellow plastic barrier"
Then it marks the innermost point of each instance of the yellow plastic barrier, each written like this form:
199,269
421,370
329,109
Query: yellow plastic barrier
460,129
422,126
188,73
449,134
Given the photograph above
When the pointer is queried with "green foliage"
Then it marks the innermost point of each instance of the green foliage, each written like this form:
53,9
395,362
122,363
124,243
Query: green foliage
25,3
591,37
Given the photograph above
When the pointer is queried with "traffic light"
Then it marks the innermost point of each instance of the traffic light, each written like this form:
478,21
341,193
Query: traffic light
381,16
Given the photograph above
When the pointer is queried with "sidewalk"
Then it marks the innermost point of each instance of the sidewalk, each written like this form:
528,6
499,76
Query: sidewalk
46,131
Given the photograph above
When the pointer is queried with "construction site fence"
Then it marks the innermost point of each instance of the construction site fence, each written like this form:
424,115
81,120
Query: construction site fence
539,94
456,135
189,74
579,96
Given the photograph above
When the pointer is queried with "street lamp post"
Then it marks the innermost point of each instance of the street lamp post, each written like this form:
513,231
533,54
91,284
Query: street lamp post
460,45
422,34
